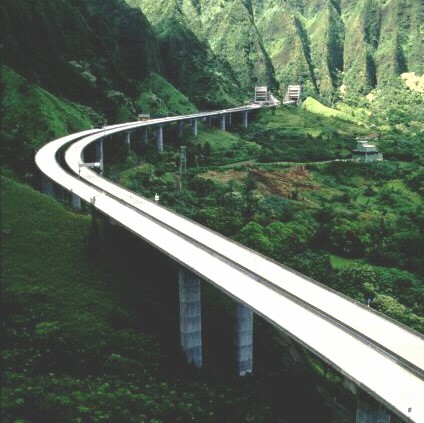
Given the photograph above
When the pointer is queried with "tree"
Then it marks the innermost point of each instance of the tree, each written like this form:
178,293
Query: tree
352,279
254,236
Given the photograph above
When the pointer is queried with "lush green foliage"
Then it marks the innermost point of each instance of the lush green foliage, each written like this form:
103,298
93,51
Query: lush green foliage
158,97
80,343
30,117
89,337
90,52
297,214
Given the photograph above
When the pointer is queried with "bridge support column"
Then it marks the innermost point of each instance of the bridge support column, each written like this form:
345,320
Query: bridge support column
159,138
230,119
190,316
59,193
99,154
243,339
144,134
180,128
209,121
194,127
245,120
75,201
371,411
222,123
128,140
46,185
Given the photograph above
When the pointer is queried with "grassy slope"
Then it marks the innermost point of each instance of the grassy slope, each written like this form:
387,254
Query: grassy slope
71,350
189,63
314,106
68,339
44,256
61,312
31,116
159,97
315,122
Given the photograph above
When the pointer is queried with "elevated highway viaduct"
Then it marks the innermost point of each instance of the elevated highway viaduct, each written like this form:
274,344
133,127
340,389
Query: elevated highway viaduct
379,355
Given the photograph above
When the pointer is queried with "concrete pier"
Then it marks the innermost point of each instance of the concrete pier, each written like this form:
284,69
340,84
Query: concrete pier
128,140
229,119
180,128
59,193
144,134
222,123
159,138
190,316
99,154
243,339
245,120
370,411
209,121
194,127
75,202
46,185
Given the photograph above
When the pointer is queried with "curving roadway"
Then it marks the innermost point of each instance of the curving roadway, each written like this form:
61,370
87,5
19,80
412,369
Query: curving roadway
381,356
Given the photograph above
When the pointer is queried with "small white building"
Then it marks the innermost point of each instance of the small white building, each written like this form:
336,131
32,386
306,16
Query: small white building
366,153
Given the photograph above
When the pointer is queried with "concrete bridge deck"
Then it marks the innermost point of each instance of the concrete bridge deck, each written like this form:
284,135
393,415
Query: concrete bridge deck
382,357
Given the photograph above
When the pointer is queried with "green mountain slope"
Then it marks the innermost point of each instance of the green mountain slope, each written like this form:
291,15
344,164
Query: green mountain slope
30,117
84,51
188,61
232,34
158,97
329,43
226,31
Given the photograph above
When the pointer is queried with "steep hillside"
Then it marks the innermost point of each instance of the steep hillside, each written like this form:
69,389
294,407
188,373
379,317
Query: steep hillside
232,34
80,343
30,117
91,52
158,97
188,62
100,53
333,43
331,46
97,53
225,32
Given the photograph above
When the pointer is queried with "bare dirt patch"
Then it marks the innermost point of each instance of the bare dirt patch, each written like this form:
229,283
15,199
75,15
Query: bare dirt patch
283,183
296,179
225,176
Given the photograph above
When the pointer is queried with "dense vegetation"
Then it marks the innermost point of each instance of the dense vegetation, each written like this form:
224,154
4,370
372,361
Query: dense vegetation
80,343
93,339
308,210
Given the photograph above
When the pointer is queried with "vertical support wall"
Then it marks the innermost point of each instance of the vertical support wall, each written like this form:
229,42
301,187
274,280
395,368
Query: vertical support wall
209,121
194,127
245,120
128,140
230,119
75,201
159,138
243,339
46,185
180,128
144,134
190,316
370,411
99,154
222,123
59,193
